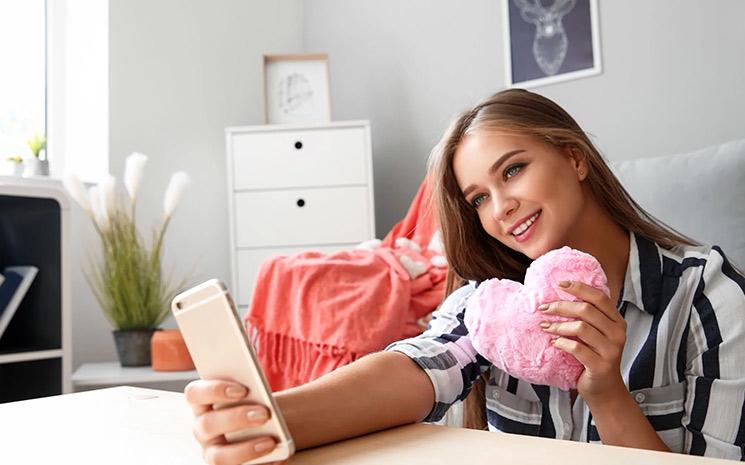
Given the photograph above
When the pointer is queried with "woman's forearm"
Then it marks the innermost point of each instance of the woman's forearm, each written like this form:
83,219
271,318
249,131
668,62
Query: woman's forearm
379,391
620,422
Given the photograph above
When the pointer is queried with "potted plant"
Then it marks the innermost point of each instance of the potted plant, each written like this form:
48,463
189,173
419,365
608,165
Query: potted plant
127,277
34,165
17,164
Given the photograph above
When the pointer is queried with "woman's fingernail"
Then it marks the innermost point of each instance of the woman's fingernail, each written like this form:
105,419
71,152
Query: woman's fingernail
545,325
257,414
543,307
236,392
565,284
264,445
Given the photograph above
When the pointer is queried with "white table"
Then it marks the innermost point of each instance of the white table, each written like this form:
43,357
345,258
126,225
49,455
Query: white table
113,374
127,425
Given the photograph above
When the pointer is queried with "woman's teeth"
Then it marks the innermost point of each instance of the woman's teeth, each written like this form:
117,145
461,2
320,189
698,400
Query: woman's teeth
524,227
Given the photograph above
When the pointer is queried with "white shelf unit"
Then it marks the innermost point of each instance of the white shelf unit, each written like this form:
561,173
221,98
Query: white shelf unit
30,356
294,188
35,349
113,374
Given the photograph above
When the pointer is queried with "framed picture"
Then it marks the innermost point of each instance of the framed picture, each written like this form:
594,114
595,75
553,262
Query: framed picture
296,89
550,41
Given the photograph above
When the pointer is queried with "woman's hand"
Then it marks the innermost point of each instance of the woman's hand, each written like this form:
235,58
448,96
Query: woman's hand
211,425
598,335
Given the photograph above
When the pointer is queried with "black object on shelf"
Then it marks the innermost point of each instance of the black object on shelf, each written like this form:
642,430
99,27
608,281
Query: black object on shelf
30,232
16,282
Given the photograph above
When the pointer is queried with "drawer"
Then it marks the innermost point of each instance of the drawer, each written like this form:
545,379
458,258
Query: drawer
249,261
282,159
337,215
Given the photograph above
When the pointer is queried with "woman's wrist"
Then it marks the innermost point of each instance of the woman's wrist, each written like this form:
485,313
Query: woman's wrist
620,421
613,410
614,396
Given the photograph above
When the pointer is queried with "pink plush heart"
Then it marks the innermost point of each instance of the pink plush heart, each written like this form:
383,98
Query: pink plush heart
503,319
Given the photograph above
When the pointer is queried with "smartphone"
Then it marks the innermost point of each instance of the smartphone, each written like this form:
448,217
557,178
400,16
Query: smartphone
220,349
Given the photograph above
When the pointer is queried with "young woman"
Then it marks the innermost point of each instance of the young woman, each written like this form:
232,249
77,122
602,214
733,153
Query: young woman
514,178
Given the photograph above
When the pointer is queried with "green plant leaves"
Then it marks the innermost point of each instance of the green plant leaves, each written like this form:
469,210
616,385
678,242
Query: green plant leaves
37,144
127,278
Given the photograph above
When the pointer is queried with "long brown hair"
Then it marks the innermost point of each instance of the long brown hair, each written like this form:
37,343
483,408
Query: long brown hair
471,252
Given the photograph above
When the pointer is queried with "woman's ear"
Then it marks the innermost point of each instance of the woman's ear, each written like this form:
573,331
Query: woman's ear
578,160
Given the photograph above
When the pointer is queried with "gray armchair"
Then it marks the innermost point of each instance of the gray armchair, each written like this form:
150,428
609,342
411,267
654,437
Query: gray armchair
701,193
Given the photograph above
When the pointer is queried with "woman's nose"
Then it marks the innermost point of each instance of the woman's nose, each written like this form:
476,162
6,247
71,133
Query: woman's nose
503,208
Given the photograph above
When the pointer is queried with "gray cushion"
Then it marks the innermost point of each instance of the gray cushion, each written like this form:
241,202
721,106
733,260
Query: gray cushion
701,194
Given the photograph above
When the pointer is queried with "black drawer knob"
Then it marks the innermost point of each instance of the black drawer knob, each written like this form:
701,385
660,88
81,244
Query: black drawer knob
298,145
300,202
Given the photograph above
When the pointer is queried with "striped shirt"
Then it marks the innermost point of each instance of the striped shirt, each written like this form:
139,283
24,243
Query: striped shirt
683,361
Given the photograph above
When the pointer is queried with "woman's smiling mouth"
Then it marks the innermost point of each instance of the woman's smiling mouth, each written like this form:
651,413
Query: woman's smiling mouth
524,230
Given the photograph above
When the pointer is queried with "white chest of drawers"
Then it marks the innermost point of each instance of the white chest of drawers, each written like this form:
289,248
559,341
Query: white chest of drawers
295,188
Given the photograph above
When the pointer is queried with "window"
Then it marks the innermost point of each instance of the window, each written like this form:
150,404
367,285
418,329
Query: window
78,87
54,81
23,76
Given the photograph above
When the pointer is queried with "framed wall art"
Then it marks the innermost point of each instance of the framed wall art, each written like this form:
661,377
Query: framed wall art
296,89
548,41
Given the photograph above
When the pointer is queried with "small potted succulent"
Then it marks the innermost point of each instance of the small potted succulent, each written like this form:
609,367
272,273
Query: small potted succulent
35,165
127,278
17,165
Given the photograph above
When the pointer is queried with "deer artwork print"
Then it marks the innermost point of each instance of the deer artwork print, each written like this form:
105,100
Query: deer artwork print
550,42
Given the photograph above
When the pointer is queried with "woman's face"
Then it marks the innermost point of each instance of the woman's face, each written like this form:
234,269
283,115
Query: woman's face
527,194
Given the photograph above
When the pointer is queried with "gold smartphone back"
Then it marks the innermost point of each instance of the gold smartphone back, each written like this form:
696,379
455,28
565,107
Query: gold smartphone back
220,349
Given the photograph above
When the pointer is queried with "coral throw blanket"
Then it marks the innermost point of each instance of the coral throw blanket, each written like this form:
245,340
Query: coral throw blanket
312,312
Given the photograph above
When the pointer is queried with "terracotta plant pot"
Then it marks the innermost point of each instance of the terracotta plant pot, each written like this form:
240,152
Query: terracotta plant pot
169,352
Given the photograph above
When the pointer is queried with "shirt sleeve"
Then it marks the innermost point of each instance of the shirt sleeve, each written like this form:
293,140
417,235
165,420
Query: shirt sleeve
715,369
445,353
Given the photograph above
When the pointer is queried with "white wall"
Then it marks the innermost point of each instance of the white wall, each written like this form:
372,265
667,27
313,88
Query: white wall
180,72
673,80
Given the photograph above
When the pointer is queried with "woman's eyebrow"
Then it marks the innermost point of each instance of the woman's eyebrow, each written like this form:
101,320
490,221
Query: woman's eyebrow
494,167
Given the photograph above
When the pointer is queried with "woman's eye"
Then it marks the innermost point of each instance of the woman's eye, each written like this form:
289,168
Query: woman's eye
513,170
476,201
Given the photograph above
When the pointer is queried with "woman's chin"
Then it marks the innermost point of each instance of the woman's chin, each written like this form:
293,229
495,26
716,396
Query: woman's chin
536,249
532,249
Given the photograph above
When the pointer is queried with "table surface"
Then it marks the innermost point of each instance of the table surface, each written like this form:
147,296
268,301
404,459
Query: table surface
112,373
128,425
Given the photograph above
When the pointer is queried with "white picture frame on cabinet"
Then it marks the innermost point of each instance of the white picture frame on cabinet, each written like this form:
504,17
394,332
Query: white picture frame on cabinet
296,89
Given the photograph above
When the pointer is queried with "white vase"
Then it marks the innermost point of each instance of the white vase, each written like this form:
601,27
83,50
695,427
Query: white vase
31,167
17,168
